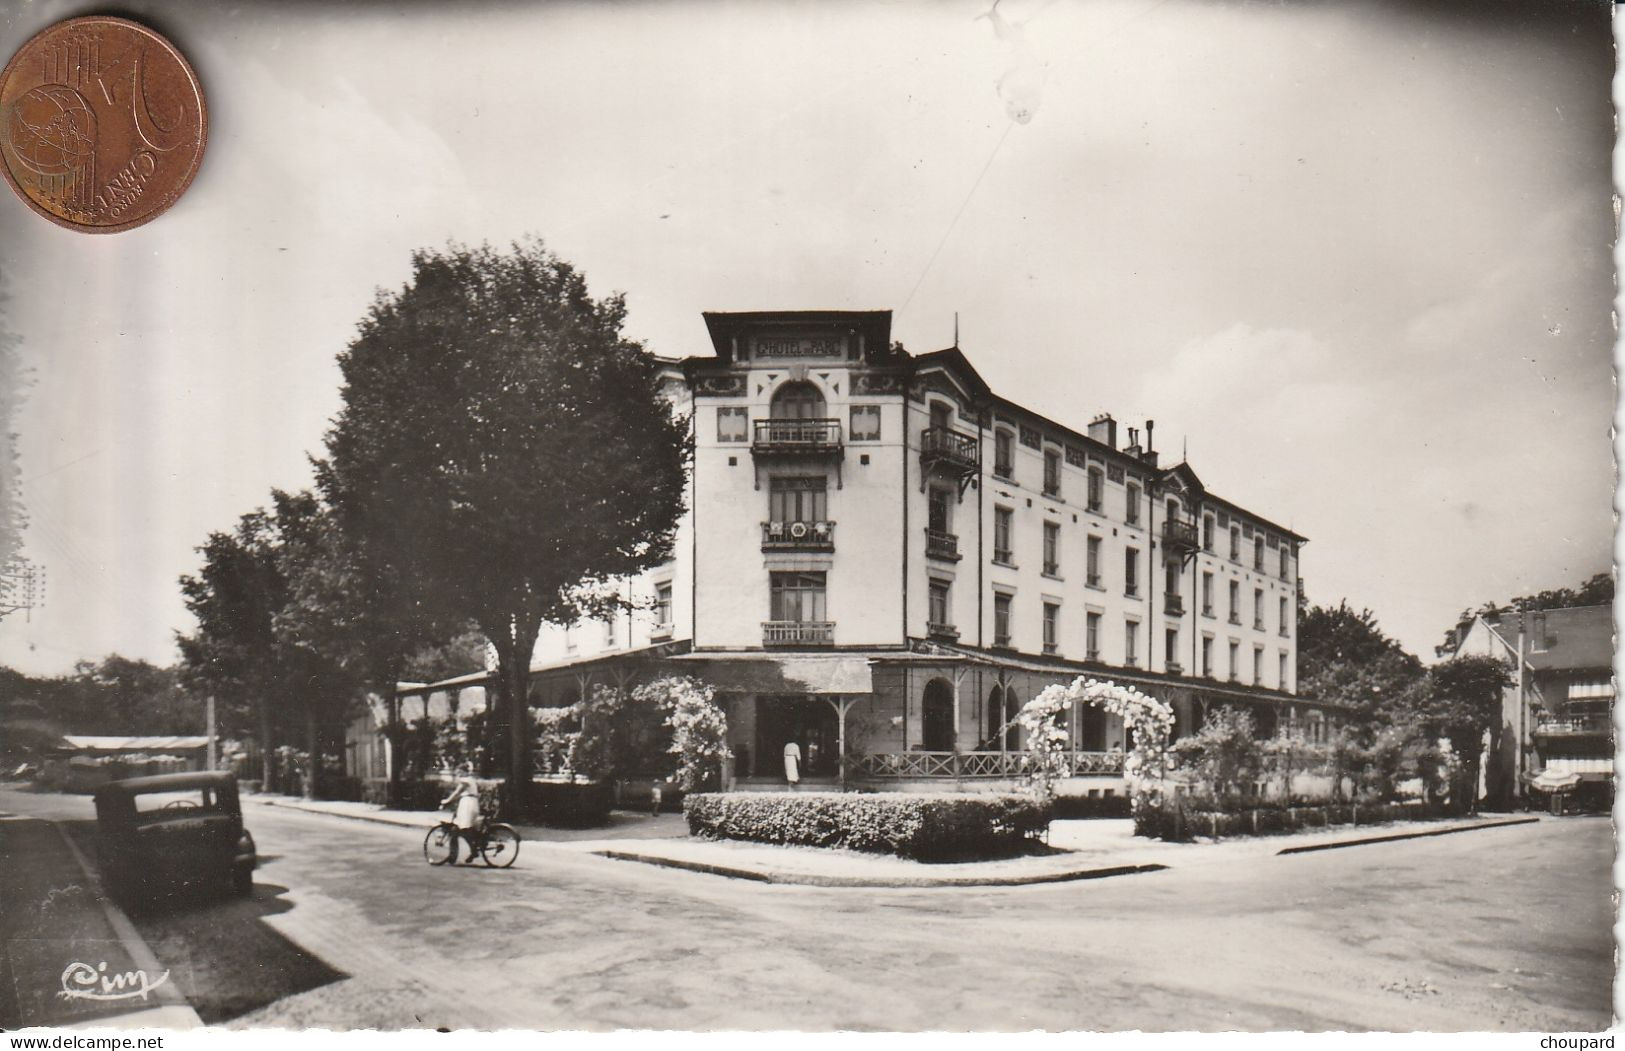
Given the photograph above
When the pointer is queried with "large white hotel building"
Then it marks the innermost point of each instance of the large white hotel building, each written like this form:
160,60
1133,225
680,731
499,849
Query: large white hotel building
882,554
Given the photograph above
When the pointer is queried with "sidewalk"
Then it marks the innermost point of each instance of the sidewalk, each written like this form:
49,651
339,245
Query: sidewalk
68,956
1079,850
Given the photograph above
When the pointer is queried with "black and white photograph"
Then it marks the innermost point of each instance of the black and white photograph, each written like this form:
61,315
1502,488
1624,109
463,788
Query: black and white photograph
664,517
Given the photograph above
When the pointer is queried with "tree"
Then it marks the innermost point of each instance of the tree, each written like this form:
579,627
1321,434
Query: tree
1598,591
1344,656
1460,701
503,453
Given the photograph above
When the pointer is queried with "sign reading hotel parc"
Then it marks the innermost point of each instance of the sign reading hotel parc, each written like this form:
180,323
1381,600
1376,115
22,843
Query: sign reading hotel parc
764,347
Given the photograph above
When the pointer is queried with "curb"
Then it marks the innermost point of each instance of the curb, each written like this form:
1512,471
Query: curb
814,880
353,817
1366,840
173,1010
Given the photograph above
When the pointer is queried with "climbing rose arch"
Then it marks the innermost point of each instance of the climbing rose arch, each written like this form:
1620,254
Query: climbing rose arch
1148,720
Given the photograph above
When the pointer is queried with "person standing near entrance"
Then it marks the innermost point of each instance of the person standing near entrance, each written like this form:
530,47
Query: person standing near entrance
792,763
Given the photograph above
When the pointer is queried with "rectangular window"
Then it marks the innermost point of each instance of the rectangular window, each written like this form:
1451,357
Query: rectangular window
1207,656
1286,563
663,607
1235,656
733,424
1258,665
1096,489
1002,517
797,596
1280,679
1170,649
1052,472
1131,643
1001,620
1258,554
1258,609
1052,616
1131,572
1235,543
1170,580
939,511
798,499
1207,594
1052,549
1235,602
609,632
1093,565
1132,514
938,611
1207,532
866,423
1091,637
1004,454
1286,625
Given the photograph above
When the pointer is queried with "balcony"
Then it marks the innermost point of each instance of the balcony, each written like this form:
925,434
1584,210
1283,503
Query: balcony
798,633
1173,605
798,536
1180,536
941,545
940,630
1590,724
1174,668
945,452
797,437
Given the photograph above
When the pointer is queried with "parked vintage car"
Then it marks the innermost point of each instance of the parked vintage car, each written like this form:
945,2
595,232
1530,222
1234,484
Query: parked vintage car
157,834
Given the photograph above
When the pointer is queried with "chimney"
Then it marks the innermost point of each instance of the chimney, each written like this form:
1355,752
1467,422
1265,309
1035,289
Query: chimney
1150,446
1103,429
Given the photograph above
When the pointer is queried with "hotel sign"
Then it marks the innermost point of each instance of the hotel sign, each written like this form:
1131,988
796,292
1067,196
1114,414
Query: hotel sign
773,347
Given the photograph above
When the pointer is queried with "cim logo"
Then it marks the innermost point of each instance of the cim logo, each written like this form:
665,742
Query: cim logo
82,981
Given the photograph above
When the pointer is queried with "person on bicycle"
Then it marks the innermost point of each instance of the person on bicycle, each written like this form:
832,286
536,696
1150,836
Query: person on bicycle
466,794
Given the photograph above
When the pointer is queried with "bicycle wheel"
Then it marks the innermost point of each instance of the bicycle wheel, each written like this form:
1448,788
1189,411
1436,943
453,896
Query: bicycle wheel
438,844
501,846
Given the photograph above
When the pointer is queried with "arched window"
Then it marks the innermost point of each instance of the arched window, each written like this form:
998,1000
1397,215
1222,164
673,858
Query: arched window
937,716
798,401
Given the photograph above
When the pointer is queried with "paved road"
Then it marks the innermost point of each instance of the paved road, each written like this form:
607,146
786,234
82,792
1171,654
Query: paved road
1506,929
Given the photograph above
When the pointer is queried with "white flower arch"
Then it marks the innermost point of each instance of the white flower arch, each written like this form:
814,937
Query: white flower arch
1149,719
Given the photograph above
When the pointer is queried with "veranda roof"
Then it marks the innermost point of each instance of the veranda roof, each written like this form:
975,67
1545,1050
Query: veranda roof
782,673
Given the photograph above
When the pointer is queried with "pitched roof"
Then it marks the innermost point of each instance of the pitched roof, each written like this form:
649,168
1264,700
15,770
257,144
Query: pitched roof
1578,638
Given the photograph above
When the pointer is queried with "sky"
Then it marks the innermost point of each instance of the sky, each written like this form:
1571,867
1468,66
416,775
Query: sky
1354,258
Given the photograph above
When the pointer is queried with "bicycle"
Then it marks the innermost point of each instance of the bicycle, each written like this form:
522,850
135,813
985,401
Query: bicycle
498,843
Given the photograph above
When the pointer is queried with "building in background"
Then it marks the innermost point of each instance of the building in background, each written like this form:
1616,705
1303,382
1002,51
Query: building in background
884,559
1557,719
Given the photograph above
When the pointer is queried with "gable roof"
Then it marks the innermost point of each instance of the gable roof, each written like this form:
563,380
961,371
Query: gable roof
1580,638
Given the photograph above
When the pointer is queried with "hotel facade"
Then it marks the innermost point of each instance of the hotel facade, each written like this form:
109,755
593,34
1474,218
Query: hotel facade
884,559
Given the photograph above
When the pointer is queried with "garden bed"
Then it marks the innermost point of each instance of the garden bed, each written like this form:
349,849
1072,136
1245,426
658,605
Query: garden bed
921,827
1183,820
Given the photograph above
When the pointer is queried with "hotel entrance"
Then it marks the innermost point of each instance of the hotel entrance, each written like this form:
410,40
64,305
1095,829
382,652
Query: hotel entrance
810,722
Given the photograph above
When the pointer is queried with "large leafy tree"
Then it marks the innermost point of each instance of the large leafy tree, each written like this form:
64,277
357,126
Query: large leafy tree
1460,700
1344,656
501,449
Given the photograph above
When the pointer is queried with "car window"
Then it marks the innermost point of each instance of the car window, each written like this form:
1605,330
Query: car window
193,802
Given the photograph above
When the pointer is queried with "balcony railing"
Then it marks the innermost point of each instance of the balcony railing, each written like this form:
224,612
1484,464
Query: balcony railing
798,633
1574,725
798,536
1173,605
959,765
1180,535
948,448
941,630
941,545
797,436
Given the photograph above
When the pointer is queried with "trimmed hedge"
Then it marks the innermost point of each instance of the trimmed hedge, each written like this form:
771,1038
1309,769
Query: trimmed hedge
922,827
1182,821
584,804
1075,807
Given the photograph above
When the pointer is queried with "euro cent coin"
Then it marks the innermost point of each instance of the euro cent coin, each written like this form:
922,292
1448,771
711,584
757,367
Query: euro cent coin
102,124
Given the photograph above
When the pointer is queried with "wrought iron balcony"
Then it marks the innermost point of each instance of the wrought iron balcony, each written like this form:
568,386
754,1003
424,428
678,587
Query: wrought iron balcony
1173,605
947,448
1180,536
940,630
797,436
941,545
798,536
1576,725
798,633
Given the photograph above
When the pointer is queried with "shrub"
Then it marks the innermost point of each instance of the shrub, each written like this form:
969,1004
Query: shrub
1182,818
1084,807
923,827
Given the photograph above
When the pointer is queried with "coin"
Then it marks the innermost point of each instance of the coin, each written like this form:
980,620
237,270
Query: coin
102,124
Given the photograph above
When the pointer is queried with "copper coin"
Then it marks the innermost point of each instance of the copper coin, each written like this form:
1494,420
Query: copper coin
102,124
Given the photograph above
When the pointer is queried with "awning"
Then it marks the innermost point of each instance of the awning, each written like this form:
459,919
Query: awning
87,743
756,673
